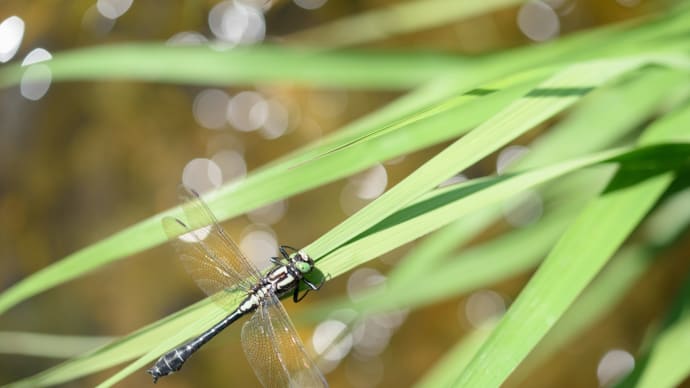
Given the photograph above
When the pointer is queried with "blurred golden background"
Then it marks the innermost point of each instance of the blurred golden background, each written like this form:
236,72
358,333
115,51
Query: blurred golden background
87,159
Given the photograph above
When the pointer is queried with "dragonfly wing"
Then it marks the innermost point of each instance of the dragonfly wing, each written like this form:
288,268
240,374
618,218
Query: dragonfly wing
211,273
208,254
200,216
275,351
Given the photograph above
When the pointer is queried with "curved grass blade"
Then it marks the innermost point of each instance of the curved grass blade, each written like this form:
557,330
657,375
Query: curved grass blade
149,342
550,98
256,191
475,267
420,227
441,375
259,188
575,260
48,345
662,362
446,205
577,257
666,364
395,19
201,65
662,229
620,109
166,333
206,65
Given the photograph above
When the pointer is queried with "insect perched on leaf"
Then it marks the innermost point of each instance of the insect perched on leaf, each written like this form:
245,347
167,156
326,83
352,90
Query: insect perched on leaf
216,263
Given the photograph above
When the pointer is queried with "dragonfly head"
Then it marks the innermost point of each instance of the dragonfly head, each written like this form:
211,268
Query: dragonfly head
303,262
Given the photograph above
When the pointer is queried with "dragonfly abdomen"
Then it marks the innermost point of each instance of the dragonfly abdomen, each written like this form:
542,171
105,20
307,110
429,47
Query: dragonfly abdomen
173,360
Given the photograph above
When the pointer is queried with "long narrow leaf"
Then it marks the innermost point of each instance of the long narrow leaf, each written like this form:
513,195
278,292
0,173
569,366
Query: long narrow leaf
575,260
170,331
551,97
259,188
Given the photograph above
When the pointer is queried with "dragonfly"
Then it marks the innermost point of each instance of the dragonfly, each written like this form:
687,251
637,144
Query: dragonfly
218,266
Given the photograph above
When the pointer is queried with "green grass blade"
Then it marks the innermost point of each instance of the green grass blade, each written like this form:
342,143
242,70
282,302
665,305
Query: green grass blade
233,200
480,265
606,116
578,256
475,267
153,340
47,345
457,358
620,109
575,260
259,188
150,341
347,69
665,225
551,97
446,205
395,19
242,65
667,363
663,362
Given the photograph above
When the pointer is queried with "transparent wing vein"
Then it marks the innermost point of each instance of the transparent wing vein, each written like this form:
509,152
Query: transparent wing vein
275,351
209,255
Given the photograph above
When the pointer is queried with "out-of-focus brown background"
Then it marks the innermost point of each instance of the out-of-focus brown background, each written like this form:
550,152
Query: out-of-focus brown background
88,159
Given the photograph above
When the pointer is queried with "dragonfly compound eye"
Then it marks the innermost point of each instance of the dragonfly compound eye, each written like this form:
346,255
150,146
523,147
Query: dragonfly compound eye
303,267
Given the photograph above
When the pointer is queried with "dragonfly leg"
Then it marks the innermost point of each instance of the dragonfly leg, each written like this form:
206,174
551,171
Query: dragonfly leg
295,295
296,298
312,285
276,260
283,250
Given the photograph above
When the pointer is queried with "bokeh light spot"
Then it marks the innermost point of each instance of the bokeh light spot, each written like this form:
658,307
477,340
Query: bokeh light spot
459,178
538,21
362,280
113,9
196,235
237,23
259,243
202,175
239,111
524,209
274,118
269,214
509,156
35,56
363,187
11,34
330,340
310,4
483,306
209,108
232,165
372,182
613,366
187,38
35,82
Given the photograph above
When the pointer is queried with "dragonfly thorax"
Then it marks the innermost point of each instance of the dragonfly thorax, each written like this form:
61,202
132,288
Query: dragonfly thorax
281,280
285,277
